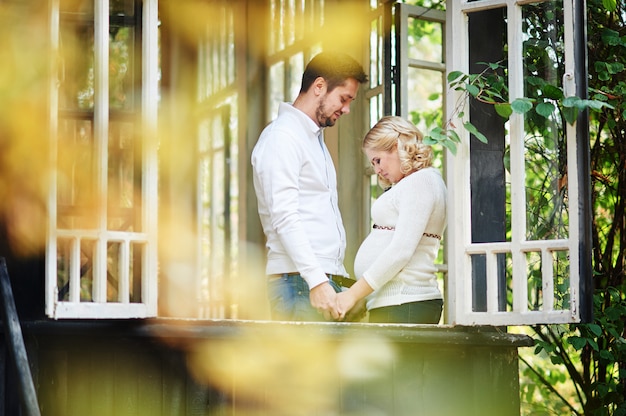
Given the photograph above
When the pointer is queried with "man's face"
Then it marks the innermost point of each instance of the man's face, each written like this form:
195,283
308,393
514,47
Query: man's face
334,104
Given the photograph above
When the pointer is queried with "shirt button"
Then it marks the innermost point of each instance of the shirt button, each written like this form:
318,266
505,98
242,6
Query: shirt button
299,292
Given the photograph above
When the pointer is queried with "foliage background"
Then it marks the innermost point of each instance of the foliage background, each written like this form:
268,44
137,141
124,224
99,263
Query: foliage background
573,369
580,369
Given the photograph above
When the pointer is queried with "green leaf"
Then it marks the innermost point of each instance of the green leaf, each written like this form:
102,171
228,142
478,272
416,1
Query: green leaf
597,105
545,109
535,81
600,66
504,110
472,129
556,360
454,75
552,92
522,105
576,102
577,342
615,67
610,5
603,389
571,101
451,146
437,134
453,136
595,329
599,97
606,355
472,89
610,37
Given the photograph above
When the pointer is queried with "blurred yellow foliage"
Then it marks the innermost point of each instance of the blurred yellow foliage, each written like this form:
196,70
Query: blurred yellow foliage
24,125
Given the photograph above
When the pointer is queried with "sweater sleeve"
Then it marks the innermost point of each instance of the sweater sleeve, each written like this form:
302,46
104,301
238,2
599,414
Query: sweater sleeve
415,199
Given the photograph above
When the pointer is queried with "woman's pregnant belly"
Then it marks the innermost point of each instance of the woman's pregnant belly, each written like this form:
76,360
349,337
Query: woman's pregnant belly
370,249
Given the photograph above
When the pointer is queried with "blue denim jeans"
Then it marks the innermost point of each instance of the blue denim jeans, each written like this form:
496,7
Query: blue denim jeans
289,299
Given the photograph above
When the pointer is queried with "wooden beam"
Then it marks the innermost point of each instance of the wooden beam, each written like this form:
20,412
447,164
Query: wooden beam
15,340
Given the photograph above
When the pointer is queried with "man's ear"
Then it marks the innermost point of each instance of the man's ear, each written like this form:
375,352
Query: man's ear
319,86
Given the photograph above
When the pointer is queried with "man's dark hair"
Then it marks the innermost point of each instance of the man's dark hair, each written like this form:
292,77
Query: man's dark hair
334,67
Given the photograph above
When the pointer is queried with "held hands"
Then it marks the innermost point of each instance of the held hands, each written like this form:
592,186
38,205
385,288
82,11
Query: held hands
324,299
351,302
348,305
345,303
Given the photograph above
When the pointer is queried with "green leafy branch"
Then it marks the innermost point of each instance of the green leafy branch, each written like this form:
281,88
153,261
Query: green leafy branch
490,87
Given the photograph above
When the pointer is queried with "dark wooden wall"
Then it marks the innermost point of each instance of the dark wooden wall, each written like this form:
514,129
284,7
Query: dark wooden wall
267,368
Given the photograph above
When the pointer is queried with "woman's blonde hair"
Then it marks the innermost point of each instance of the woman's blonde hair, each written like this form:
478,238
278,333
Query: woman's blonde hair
394,131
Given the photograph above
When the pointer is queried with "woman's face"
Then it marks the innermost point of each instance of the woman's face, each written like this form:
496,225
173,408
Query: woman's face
386,164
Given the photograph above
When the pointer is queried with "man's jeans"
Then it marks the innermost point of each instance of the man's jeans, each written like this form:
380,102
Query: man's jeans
289,299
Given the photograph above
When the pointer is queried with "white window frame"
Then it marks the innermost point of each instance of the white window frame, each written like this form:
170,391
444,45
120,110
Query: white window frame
458,178
100,307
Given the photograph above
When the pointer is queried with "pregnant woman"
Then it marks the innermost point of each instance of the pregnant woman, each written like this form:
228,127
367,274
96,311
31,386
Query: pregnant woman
395,264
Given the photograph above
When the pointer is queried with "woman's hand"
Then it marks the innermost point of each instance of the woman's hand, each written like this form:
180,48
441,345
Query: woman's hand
357,312
351,298
345,303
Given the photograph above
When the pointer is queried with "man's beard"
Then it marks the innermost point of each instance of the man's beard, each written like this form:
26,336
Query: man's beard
322,119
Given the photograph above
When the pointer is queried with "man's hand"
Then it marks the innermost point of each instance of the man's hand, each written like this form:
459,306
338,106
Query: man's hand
324,298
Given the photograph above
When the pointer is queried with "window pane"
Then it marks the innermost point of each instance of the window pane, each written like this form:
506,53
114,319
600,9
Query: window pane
76,175
75,284
76,89
124,272
296,68
276,88
546,148
122,7
561,272
425,98
121,67
426,41
124,180
535,292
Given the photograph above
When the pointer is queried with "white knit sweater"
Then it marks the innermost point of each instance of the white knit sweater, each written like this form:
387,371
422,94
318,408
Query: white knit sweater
398,263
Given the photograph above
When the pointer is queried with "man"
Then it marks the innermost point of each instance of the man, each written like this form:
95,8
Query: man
296,187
